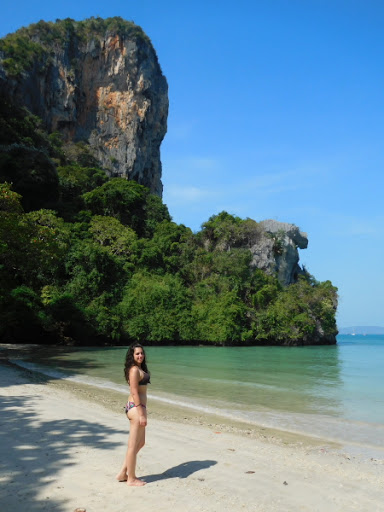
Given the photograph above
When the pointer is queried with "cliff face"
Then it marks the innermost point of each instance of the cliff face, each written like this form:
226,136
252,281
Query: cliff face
100,86
276,253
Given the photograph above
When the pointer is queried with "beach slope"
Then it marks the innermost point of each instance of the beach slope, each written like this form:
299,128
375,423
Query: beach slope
59,452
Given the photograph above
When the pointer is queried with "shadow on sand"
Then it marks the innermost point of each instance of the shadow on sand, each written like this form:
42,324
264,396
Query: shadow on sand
183,470
33,452
51,357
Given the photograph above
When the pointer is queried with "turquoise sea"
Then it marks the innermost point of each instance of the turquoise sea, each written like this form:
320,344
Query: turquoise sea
333,392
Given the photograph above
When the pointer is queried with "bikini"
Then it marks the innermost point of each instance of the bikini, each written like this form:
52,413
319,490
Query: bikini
131,405
143,382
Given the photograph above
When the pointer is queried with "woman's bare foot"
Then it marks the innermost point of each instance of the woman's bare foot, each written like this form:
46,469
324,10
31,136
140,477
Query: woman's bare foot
136,482
122,476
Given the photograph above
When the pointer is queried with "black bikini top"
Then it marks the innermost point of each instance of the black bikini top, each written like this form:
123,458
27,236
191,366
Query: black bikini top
145,380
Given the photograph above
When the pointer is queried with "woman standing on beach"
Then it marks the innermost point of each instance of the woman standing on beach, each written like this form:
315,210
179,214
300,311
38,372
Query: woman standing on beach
137,376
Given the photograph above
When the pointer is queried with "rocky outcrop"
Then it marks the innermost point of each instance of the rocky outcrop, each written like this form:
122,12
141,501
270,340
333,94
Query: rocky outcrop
277,251
101,86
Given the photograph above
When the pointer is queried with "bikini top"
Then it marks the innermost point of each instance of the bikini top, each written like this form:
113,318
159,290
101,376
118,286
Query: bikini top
145,380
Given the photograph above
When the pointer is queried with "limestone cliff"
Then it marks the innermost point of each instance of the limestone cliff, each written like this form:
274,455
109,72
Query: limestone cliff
97,81
276,252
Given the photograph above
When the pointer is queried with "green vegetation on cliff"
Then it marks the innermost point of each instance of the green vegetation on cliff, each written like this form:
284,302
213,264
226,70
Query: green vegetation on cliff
88,259
31,45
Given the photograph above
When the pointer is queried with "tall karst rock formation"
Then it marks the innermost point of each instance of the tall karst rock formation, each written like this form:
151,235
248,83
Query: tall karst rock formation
97,81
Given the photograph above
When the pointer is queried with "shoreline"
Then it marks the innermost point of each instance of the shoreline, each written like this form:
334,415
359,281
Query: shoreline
114,400
63,443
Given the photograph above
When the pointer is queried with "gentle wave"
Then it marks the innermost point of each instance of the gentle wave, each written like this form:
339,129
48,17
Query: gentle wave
234,382
80,379
367,436
313,425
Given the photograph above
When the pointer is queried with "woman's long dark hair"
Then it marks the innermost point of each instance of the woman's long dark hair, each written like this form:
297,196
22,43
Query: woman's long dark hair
129,360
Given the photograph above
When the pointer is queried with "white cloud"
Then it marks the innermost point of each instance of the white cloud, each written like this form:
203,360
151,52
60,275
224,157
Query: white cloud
362,228
187,193
204,163
273,182
190,164
180,131
348,226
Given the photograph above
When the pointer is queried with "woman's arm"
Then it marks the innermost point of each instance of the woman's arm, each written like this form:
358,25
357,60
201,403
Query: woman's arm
134,377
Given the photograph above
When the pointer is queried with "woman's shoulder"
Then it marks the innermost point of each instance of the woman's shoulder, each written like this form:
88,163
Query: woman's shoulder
134,370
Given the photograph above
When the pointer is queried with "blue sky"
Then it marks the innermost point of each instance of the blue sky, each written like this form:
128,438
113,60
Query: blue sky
276,111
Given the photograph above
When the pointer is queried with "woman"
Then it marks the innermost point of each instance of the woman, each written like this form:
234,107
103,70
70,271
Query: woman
137,376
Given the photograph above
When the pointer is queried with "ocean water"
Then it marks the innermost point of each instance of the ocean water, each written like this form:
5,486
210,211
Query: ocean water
332,392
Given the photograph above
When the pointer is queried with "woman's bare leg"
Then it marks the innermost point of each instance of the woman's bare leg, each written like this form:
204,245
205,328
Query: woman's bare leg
122,474
135,442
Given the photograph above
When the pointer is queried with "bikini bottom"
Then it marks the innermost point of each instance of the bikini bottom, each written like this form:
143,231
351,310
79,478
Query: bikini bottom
130,405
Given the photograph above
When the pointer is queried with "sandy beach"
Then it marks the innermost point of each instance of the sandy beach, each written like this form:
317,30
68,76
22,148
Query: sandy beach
62,444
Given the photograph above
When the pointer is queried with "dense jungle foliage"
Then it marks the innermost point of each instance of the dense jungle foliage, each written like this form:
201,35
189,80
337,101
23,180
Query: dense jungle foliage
86,259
